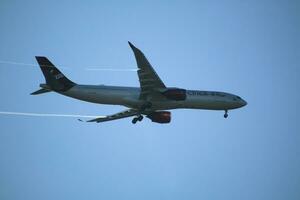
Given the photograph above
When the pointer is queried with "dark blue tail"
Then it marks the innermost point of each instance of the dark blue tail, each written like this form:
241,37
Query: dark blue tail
55,80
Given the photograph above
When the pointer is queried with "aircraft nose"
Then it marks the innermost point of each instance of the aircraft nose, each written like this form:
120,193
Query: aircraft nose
243,102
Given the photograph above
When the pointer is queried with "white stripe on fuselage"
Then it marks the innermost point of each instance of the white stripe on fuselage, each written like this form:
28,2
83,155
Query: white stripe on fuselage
129,97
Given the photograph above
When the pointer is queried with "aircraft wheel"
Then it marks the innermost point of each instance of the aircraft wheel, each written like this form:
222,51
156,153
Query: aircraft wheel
140,118
226,114
134,120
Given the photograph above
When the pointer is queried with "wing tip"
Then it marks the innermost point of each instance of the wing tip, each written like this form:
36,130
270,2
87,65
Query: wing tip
131,45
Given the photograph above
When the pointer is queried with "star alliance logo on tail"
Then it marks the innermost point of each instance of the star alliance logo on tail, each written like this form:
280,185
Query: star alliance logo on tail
59,76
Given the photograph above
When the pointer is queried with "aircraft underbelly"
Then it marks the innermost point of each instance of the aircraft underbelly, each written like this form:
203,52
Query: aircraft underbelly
205,103
210,105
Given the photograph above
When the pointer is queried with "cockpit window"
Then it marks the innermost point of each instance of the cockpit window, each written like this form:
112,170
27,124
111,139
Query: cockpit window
238,97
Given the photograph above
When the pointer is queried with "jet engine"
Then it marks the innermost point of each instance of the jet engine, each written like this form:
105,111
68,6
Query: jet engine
175,94
162,117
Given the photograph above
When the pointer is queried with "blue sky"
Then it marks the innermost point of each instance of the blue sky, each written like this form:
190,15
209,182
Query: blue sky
249,48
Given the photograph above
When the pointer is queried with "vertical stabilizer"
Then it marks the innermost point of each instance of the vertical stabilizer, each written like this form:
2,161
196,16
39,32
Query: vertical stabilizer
56,80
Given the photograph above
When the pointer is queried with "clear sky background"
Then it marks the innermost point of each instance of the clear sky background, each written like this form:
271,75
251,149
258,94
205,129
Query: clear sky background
249,48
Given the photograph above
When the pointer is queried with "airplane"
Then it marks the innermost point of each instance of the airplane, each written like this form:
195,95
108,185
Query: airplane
152,99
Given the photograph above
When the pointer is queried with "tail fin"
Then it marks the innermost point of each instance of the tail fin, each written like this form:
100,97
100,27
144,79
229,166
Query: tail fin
55,80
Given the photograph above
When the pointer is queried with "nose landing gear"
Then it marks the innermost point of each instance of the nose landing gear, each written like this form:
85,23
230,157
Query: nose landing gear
226,114
136,119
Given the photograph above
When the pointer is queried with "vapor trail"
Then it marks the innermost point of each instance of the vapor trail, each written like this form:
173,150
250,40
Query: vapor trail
46,115
16,63
89,68
110,69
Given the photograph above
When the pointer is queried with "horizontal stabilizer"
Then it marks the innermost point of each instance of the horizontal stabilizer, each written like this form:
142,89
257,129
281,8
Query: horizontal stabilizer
41,91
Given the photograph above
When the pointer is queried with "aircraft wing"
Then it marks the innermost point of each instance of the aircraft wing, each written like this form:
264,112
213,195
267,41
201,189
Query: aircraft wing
120,115
149,80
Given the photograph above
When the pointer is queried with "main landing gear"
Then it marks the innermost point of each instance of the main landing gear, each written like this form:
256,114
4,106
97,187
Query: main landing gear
226,114
138,118
142,108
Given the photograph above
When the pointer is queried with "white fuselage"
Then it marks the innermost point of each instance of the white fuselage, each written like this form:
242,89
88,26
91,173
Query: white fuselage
130,97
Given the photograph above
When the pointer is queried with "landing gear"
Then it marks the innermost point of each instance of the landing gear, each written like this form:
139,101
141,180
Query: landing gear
140,118
136,119
226,114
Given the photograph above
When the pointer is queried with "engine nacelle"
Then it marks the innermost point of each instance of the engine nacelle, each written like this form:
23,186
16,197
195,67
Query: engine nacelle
175,94
162,117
